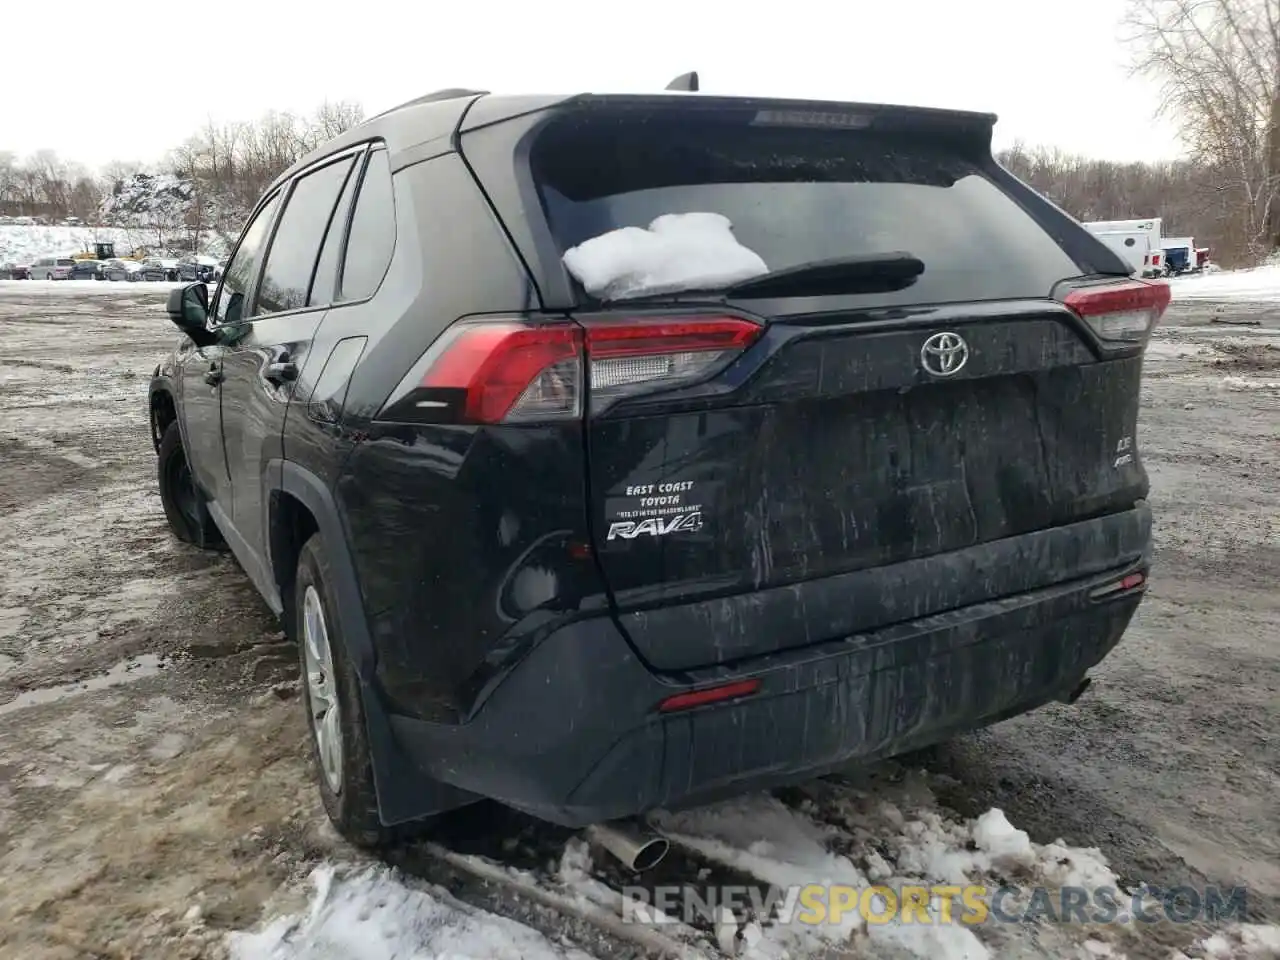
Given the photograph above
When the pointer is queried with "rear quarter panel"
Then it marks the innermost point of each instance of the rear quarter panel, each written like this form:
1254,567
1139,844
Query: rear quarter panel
459,534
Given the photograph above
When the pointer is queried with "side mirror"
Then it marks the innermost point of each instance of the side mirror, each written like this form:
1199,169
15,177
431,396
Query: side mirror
188,308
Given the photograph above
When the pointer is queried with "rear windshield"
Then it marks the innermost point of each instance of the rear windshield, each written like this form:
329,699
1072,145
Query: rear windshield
66,263
798,195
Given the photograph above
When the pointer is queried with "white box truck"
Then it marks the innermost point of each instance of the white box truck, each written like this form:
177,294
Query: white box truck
1137,241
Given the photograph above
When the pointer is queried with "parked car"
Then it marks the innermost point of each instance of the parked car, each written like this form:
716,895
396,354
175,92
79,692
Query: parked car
52,268
204,269
121,269
159,269
87,270
562,524
15,271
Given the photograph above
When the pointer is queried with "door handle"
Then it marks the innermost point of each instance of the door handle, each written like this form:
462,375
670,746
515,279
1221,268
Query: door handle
285,372
214,377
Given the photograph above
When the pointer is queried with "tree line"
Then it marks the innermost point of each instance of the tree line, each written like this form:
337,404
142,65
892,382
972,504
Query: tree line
1217,63
208,183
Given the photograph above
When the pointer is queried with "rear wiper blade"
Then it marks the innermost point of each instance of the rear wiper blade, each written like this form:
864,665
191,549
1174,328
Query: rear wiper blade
861,274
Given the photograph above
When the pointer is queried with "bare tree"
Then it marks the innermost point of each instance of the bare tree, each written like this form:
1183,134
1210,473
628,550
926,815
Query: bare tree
207,183
9,174
332,119
1218,62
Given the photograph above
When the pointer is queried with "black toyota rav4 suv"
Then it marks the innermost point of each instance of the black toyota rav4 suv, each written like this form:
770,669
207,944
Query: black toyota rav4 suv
592,555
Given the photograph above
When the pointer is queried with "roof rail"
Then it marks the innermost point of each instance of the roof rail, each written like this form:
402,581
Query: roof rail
450,93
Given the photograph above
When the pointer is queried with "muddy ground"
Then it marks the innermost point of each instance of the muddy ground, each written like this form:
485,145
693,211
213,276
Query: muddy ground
155,790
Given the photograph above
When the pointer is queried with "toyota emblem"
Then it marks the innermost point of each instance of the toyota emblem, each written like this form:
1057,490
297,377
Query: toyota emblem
944,354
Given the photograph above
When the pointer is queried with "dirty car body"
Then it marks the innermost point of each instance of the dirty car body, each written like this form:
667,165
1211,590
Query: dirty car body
594,558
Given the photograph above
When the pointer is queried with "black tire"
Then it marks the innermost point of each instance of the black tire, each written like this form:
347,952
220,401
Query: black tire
184,504
353,808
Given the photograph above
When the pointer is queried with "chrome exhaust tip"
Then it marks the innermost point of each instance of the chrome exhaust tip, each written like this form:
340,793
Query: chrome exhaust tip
638,850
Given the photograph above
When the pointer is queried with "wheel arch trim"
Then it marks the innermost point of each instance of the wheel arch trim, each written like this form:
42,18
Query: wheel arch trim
399,785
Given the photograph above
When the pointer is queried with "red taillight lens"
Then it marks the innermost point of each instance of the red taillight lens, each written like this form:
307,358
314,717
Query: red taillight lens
1121,311
514,371
508,370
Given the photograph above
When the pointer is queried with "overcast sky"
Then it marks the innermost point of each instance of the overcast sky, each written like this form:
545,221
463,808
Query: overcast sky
131,85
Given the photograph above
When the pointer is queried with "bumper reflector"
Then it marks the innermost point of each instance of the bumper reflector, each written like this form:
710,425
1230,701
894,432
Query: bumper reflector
699,698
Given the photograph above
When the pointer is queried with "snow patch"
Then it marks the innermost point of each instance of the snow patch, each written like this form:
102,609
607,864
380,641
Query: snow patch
374,915
1260,284
1245,941
678,251
1240,383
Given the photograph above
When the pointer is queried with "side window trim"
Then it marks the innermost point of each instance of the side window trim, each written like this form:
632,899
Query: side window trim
346,227
374,149
356,173
257,211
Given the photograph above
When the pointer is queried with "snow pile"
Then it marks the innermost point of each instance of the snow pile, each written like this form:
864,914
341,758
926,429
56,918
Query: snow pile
894,836
679,251
1246,941
373,915
796,853
22,244
1261,284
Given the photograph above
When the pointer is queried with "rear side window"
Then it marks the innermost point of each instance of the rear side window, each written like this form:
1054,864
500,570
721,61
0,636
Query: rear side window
796,195
291,261
372,238
324,284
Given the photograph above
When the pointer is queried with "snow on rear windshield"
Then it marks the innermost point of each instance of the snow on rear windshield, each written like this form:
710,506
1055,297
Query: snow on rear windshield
795,196
679,251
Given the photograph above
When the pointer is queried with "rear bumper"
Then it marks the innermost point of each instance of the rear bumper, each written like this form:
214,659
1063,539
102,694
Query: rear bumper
572,734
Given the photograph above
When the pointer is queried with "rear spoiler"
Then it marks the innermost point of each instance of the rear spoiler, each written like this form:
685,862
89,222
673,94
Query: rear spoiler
976,128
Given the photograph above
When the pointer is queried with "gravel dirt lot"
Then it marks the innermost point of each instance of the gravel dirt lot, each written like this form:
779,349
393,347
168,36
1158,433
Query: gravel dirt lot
155,789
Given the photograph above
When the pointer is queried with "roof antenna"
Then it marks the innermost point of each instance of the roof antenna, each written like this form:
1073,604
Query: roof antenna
686,81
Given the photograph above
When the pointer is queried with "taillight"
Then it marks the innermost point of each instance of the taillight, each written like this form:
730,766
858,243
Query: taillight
517,371
508,370
634,356
1121,311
